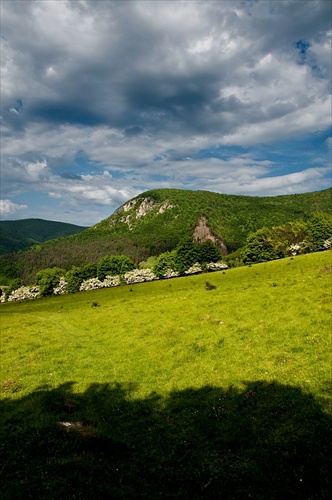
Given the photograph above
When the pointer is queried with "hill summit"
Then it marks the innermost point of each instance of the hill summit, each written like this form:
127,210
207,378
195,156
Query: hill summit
161,218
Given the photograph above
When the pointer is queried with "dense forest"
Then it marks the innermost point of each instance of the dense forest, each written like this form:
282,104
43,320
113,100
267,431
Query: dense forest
20,234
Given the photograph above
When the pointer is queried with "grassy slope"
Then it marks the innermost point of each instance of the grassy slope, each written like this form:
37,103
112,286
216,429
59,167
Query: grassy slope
176,391
231,218
20,234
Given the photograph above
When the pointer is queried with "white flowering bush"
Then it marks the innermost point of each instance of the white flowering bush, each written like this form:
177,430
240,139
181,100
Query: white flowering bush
110,281
91,284
24,293
216,266
139,276
195,269
95,283
171,274
61,289
296,248
328,243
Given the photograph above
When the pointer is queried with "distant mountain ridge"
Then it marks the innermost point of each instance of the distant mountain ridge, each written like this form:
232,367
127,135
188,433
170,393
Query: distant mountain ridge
21,234
156,221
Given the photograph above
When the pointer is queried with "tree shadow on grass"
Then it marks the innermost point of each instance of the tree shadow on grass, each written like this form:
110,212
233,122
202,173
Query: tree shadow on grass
269,441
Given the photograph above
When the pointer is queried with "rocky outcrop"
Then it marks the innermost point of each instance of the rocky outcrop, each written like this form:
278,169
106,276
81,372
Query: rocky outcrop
202,233
129,206
145,205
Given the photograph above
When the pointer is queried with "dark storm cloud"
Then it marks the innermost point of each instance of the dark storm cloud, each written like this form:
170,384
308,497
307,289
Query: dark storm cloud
128,71
62,112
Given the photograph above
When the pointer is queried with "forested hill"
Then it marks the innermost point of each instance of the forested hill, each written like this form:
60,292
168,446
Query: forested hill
156,221
20,234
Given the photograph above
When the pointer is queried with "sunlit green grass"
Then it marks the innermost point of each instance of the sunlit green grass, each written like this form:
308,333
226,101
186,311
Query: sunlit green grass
262,330
269,321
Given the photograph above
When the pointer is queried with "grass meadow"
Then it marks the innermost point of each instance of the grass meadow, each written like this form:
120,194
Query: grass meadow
209,386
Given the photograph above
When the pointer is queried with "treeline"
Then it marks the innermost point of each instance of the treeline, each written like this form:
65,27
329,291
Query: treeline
68,252
188,257
293,238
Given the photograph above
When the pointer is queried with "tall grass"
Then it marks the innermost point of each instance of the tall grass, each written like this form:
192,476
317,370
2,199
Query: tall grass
200,386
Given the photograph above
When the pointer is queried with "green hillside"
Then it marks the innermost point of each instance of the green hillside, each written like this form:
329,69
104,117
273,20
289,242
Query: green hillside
172,389
155,221
20,234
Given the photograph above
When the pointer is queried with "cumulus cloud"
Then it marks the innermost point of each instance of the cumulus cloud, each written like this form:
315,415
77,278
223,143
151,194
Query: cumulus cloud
137,87
9,208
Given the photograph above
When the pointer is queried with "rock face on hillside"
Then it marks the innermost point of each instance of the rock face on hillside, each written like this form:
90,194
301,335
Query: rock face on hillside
140,207
202,233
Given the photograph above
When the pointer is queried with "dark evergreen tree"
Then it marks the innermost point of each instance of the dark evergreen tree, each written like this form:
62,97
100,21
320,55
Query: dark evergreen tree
209,252
187,254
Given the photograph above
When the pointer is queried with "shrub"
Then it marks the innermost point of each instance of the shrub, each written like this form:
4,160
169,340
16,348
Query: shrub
195,269
110,281
114,265
76,275
171,274
14,285
95,283
61,289
48,279
216,266
91,284
24,293
139,276
166,265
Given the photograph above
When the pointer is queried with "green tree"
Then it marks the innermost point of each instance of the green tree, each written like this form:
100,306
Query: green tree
319,229
48,278
76,275
209,252
165,261
260,247
89,270
114,265
187,254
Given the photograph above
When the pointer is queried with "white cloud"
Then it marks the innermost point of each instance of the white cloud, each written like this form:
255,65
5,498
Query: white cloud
7,207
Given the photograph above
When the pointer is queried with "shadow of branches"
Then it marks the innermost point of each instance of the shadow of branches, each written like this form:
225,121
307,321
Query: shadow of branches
267,441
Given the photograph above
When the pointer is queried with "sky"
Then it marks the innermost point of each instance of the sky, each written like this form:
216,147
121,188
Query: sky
103,100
